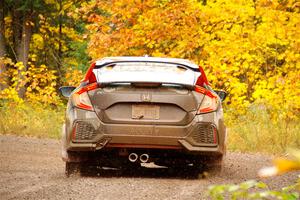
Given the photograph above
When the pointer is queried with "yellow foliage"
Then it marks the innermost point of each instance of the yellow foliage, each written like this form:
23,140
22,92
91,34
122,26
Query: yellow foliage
40,84
12,75
73,77
281,94
11,94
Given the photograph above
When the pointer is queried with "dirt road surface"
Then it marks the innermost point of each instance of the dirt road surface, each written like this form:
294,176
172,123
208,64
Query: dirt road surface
32,169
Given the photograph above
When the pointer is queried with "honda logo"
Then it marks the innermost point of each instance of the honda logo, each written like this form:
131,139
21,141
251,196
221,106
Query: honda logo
146,97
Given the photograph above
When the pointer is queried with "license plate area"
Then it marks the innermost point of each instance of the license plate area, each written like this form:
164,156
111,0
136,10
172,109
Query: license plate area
144,111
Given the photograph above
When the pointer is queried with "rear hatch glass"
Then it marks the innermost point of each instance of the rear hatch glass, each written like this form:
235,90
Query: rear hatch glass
146,72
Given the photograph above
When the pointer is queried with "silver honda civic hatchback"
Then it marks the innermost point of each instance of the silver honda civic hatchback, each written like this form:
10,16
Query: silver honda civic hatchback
133,110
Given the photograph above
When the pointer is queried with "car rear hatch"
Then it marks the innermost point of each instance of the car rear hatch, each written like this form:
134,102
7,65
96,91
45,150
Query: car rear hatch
131,104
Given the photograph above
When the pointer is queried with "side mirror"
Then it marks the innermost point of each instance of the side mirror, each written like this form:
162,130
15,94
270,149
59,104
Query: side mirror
66,90
221,94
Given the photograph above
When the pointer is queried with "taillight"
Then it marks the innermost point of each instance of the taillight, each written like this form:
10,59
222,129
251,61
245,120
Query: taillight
90,76
202,79
209,102
81,98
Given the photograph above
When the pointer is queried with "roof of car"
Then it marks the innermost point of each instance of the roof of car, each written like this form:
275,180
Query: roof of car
108,60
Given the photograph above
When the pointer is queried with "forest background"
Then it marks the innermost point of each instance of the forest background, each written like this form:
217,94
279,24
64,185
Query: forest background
249,48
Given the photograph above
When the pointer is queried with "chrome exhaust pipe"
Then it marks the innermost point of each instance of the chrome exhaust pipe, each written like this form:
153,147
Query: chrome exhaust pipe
144,158
133,157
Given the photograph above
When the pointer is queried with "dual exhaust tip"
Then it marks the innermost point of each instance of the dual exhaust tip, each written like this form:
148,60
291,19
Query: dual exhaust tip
133,157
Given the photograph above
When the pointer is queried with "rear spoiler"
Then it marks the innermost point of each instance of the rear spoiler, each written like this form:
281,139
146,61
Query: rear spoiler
97,66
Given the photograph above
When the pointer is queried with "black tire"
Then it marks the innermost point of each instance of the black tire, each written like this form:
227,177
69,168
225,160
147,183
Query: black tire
72,168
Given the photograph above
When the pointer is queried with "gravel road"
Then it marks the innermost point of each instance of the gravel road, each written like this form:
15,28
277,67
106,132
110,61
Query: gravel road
31,168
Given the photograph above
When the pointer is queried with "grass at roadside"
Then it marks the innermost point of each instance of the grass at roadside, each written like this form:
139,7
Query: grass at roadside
257,132
252,132
31,120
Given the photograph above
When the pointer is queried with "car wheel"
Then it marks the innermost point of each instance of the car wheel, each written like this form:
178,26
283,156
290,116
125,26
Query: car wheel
72,168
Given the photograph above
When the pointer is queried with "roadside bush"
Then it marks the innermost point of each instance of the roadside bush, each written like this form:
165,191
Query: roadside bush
27,119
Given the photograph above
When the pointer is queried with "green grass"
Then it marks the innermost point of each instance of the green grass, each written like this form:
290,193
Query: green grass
31,120
257,132
252,132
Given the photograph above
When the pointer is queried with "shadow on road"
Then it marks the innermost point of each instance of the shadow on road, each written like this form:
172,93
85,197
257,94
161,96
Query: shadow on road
145,172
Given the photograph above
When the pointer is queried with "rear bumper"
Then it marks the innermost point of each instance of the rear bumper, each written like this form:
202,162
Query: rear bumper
189,138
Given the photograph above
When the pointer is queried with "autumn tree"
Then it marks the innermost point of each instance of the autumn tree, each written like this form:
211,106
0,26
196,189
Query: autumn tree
37,33
23,17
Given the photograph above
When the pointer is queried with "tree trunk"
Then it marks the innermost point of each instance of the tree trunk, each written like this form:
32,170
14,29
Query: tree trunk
2,30
16,28
2,46
59,62
23,50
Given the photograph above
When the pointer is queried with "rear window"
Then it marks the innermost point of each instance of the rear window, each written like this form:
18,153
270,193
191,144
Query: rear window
131,72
